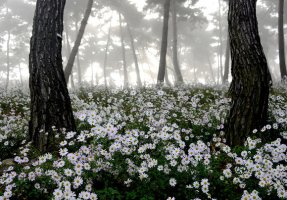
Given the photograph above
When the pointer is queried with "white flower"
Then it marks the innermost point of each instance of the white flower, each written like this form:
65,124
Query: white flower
170,198
172,182
78,181
58,194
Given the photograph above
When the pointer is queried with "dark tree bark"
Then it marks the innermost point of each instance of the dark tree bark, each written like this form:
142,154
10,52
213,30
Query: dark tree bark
126,77
50,101
176,66
162,62
227,59
106,54
77,44
251,78
139,82
281,40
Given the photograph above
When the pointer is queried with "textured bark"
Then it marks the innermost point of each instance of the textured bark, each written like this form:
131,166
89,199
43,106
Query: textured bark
106,54
8,61
251,78
281,40
176,66
77,44
50,101
162,61
126,77
227,59
139,82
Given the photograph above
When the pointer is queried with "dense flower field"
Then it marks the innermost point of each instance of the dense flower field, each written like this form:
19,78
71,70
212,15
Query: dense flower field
148,143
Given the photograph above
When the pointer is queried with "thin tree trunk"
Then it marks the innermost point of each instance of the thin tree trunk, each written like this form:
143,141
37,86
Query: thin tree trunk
77,44
281,40
249,89
106,53
227,59
162,62
68,54
20,74
220,40
126,77
167,79
50,101
8,60
210,69
176,66
139,82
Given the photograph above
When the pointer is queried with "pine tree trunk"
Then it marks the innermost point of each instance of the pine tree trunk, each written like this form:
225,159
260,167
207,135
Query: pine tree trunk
251,78
211,70
168,83
162,62
139,82
50,101
220,41
126,77
227,59
8,61
176,66
77,44
20,74
68,54
106,54
281,40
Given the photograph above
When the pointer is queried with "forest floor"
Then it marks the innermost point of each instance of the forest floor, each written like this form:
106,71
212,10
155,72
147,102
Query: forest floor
147,143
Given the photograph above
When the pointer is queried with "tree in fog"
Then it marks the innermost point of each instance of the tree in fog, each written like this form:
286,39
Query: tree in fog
164,39
178,74
281,41
50,101
251,78
77,44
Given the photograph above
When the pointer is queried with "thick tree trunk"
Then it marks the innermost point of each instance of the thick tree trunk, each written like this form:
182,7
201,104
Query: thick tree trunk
176,66
106,54
77,44
139,82
8,60
281,40
50,101
251,78
162,62
227,59
126,77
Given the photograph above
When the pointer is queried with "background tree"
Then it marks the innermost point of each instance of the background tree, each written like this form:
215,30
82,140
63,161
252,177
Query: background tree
164,40
251,78
281,40
50,101
81,32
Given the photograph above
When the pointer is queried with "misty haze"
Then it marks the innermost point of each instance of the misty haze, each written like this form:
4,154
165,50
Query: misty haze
143,99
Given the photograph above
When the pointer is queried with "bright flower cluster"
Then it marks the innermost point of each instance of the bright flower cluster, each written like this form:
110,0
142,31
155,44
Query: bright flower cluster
166,142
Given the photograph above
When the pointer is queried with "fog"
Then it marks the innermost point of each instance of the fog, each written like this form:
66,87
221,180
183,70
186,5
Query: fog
201,33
